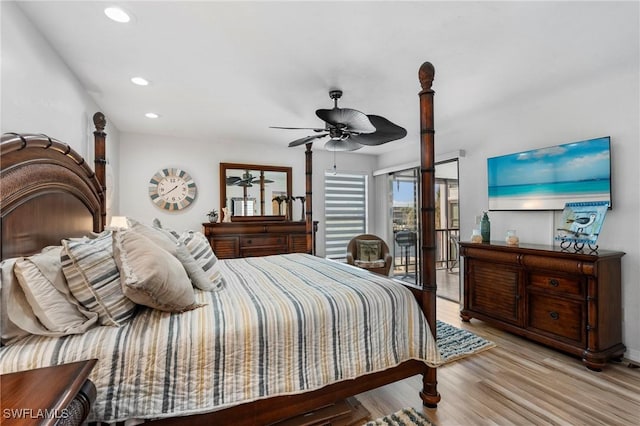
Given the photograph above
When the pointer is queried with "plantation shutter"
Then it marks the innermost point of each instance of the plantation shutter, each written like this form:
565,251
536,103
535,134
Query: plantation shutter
345,211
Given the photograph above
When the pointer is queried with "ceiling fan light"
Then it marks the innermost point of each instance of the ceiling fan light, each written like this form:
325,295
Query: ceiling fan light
342,145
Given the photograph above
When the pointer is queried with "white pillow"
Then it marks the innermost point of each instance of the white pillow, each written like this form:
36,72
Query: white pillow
94,279
45,288
150,275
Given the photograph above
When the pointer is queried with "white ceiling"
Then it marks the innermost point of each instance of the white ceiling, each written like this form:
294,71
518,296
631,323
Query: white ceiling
226,71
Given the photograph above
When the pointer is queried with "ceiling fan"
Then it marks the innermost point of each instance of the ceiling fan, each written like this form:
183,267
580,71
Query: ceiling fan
349,129
246,180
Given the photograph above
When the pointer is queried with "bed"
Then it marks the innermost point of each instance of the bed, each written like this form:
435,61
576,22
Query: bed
286,334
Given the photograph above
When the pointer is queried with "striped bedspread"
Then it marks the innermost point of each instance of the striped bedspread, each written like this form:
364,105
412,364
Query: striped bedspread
282,325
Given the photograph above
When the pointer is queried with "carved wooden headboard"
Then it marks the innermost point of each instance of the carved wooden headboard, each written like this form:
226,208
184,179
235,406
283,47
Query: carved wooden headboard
47,192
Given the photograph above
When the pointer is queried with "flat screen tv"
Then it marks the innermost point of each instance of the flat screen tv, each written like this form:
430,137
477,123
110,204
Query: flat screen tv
548,178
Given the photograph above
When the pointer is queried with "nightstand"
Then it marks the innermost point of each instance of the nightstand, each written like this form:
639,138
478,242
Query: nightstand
60,395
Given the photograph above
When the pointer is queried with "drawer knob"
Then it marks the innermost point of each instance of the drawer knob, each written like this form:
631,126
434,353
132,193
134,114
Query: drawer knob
248,241
554,283
554,315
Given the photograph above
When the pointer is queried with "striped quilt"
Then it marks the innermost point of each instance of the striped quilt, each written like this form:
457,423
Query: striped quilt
282,325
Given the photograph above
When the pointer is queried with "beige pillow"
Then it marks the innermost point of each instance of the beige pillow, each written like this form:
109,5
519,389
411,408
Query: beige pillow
45,288
9,332
94,279
150,275
157,236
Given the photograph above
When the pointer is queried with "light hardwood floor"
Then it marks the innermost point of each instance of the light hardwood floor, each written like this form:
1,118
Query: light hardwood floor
517,383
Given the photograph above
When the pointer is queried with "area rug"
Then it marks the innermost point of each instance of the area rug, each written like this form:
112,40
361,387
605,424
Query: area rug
404,417
455,343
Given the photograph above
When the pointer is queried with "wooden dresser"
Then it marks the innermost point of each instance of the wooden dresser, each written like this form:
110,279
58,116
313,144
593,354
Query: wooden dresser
567,300
59,395
246,239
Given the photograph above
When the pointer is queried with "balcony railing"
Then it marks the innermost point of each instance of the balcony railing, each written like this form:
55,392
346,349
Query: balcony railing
406,255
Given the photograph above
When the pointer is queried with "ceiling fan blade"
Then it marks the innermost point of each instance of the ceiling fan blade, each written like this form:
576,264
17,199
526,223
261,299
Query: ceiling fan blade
257,180
315,129
232,180
385,132
347,118
306,140
342,145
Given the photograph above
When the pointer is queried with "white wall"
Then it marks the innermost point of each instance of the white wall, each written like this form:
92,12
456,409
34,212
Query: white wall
607,104
41,95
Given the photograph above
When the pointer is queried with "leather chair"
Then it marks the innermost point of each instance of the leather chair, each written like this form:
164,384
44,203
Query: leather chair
369,252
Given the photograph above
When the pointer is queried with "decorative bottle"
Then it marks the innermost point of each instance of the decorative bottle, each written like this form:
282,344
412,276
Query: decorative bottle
485,228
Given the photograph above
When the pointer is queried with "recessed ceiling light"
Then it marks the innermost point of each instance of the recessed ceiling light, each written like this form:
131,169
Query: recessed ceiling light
140,81
117,14
151,115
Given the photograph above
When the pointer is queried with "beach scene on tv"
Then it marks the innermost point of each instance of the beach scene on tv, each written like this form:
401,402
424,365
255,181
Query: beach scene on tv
548,178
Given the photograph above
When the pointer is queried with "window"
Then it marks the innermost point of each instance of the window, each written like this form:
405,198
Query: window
345,210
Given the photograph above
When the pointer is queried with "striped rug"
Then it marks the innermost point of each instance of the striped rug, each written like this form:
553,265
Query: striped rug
455,343
404,417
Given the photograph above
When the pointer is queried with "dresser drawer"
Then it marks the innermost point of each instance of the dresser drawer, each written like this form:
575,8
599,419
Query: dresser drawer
263,241
297,243
558,283
563,318
225,247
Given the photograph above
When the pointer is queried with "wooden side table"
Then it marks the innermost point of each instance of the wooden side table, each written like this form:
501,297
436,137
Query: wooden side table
61,395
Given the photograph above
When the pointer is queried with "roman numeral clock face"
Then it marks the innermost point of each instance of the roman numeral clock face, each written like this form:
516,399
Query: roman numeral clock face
172,189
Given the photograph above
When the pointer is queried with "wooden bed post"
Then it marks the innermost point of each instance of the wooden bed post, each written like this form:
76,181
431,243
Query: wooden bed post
308,169
430,396
100,155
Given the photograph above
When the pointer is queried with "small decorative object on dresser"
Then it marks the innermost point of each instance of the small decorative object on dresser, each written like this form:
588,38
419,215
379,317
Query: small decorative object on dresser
581,223
570,301
226,217
213,215
485,228
512,238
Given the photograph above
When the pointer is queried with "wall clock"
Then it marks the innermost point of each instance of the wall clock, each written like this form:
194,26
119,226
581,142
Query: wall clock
172,189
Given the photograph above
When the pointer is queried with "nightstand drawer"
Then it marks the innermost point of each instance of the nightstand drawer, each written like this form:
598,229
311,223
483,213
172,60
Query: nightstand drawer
560,317
558,283
263,241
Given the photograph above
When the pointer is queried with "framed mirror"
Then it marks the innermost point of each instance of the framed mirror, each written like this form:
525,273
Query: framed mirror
254,192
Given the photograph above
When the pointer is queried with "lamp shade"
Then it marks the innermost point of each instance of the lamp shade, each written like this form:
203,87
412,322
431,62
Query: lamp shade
118,222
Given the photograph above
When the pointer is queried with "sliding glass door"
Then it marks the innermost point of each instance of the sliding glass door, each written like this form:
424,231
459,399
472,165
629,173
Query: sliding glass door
405,192
405,202
447,230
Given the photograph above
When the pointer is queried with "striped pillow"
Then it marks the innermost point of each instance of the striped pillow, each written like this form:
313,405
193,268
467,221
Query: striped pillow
94,279
194,252
198,247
